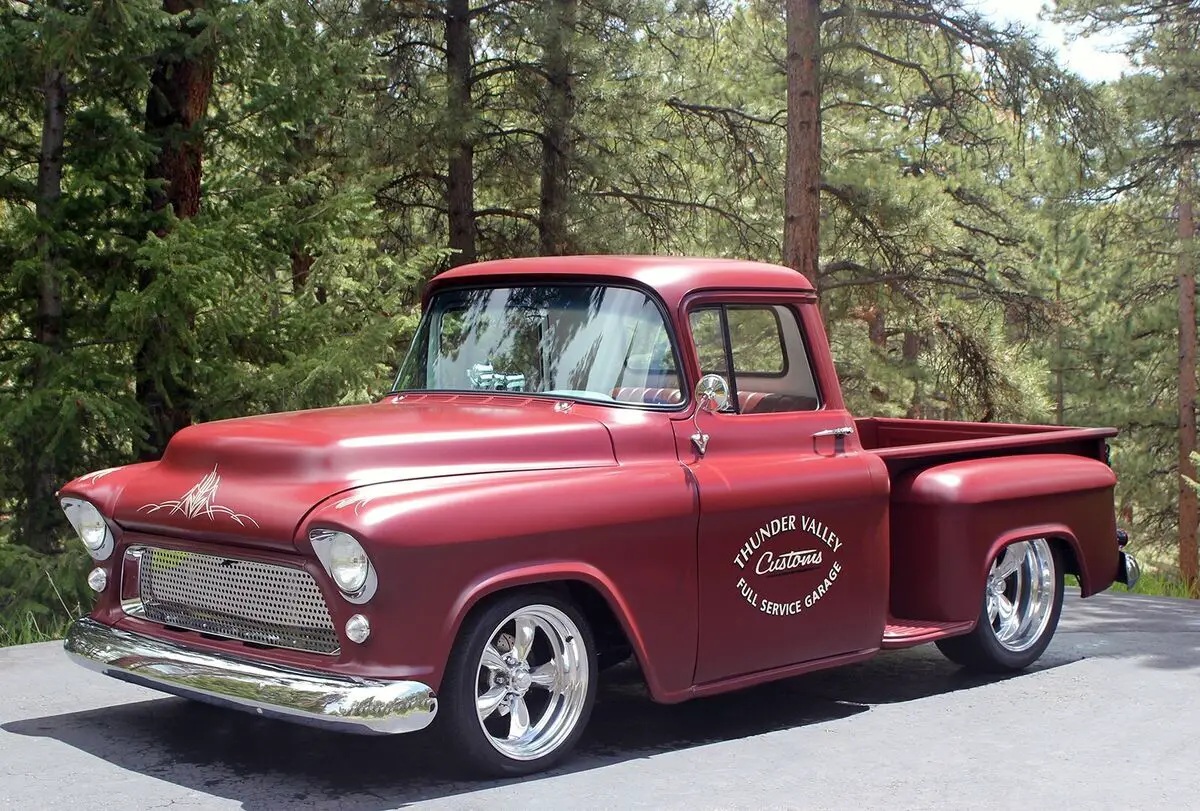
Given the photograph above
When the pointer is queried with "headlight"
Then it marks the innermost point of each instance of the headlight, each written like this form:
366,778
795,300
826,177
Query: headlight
347,563
90,525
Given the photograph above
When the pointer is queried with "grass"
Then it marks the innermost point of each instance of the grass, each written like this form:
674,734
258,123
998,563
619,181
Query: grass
26,629
40,593
1151,583
1156,584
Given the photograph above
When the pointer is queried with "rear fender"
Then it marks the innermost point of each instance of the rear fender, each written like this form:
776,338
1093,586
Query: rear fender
949,521
1073,560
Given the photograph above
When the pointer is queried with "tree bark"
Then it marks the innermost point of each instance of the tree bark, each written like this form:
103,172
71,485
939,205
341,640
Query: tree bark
40,476
911,353
557,145
180,86
1060,390
802,194
302,262
304,148
1188,513
460,174
175,109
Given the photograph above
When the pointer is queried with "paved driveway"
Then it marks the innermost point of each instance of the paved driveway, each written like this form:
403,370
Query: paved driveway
1108,719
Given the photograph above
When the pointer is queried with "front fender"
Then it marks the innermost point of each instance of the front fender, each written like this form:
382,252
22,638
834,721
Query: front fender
949,521
441,545
560,571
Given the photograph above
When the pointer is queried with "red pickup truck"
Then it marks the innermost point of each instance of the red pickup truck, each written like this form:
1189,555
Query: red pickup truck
583,459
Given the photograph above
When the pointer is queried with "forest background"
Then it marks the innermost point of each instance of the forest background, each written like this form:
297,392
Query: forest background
211,208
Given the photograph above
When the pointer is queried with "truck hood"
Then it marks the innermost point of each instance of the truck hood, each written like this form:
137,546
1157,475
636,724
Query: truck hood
253,480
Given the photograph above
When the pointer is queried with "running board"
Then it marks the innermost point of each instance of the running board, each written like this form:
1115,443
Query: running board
900,633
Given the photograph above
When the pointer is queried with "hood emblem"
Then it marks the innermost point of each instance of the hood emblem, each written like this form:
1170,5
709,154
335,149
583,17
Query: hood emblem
200,501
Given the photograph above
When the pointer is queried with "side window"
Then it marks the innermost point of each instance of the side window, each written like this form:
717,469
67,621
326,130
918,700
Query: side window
709,339
771,372
757,340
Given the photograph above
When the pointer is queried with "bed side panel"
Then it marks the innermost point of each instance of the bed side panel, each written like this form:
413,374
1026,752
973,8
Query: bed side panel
948,521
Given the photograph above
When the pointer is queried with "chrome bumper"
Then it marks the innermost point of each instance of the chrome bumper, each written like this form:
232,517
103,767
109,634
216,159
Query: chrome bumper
1128,570
316,699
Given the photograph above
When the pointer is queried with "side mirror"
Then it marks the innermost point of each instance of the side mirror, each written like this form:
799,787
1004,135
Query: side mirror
712,393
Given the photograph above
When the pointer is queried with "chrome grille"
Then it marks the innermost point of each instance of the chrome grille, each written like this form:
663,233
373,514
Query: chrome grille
254,602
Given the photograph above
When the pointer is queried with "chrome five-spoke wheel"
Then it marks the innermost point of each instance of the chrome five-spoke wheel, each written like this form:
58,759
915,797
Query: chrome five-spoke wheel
1019,597
1022,600
521,683
533,682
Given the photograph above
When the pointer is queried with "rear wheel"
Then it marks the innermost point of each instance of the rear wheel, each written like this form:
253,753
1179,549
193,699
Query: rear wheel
520,684
1022,601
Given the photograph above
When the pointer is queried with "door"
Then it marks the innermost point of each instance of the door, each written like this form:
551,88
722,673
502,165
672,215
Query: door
793,563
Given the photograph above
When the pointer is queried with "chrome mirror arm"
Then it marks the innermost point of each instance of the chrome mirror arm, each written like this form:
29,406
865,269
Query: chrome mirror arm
699,439
712,395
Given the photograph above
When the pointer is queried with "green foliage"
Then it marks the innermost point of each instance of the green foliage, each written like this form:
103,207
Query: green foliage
1151,584
996,241
41,594
1196,464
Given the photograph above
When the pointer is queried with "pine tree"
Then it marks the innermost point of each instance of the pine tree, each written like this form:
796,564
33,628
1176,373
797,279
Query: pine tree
1163,41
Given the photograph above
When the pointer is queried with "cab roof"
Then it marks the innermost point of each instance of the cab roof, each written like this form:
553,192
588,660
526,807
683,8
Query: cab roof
673,277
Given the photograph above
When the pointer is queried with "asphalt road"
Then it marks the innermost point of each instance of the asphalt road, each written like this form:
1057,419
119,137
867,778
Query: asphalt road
1107,719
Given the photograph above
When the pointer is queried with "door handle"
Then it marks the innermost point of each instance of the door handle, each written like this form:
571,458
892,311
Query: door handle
839,437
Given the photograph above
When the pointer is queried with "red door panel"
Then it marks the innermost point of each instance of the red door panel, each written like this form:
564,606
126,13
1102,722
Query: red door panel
792,546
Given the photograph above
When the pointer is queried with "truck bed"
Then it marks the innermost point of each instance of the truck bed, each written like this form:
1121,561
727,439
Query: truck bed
904,444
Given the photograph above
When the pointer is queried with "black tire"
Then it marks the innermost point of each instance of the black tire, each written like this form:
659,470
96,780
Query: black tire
981,649
458,725
614,656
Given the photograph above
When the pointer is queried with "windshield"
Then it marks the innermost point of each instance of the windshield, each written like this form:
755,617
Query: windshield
589,342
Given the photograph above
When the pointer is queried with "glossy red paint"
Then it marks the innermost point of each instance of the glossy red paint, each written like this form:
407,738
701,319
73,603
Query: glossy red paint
773,553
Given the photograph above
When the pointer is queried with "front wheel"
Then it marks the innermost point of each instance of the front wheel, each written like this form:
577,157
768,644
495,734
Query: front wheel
1022,601
520,684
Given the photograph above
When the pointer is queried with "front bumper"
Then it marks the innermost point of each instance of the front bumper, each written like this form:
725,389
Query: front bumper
317,699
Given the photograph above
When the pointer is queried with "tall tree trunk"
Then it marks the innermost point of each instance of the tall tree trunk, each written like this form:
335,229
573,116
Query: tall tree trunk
176,106
1188,514
802,195
304,148
1060,391
302,262
1060,361
557,145
460,174
40,477
911,353
175,110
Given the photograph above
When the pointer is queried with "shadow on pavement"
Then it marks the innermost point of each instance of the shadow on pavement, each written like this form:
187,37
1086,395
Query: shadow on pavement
1161,632
265,764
